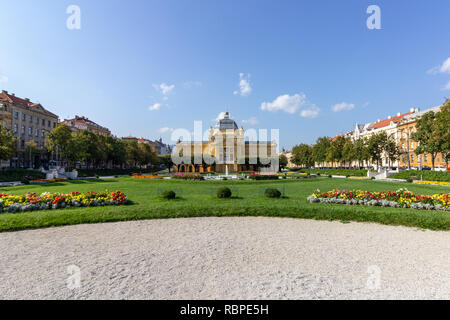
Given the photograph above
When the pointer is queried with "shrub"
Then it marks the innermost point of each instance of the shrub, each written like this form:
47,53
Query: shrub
330,176
223,193
168,194
424,174
9,175
272,193
410,180
264,176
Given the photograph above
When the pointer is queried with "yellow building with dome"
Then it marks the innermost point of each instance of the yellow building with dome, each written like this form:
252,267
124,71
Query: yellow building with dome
228,147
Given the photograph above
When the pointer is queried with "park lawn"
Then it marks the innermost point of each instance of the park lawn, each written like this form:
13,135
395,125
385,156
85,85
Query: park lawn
197,199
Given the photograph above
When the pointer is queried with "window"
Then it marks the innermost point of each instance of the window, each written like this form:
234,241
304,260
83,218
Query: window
22,143
425,158
4,124
48,123
31,118
43,133
16,115
23,130
412,145
37,120
23,116
43,122
412,158
54,125
15,127
36,133
30,131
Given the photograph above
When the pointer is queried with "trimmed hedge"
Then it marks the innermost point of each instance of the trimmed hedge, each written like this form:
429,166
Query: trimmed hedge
336,172
23,175
83,173
264,177
424,174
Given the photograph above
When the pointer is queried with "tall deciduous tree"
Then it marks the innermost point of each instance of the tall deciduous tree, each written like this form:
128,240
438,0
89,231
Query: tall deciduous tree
302,155
320,150
426,136
8,144
443,131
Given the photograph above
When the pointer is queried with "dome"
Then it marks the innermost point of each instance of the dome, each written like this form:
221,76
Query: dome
226,122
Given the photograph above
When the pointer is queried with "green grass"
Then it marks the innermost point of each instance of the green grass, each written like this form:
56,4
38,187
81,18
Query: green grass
198,199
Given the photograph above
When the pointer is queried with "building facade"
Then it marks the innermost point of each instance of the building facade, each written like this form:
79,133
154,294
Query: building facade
82,123
408,159
29,122
226,151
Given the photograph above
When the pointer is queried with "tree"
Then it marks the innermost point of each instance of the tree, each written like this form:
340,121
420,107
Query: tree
8,144
360,149
166,159
302,155
59,140
443,131
320,150
375,147
348,152
426,136
334,153
31,148
283,162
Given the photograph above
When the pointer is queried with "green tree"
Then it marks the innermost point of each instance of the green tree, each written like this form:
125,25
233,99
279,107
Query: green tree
361,152
375,147
8,144
443,131
59,140
348,152
302,155
426,136
166,159
320,150
283,161
334,153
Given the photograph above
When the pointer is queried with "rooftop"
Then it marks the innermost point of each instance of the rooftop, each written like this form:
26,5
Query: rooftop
226,122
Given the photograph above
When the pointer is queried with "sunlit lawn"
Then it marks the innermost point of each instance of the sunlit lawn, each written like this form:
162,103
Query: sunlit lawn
198,199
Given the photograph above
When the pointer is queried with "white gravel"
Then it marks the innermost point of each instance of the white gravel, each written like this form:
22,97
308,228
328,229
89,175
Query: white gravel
226,258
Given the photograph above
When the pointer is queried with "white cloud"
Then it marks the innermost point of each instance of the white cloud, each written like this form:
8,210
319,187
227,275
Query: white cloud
251,121
310,112
164,88
286,103
3,79
154,107
165,130
447,86
192,84
244,85
343,106
444,68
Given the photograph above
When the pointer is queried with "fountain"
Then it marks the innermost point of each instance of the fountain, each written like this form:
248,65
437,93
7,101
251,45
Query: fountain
226,171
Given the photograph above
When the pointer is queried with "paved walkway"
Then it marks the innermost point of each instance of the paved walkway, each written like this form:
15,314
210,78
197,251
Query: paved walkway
225,258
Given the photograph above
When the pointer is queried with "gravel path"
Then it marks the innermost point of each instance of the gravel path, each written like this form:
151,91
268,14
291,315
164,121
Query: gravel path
226,258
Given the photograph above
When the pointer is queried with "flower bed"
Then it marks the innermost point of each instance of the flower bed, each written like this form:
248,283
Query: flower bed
257,176
188,177
146,177
438,183
31,201
399,199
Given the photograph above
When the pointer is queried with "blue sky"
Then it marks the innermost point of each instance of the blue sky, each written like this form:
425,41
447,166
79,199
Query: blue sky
139,66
